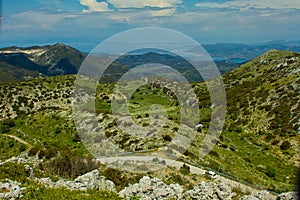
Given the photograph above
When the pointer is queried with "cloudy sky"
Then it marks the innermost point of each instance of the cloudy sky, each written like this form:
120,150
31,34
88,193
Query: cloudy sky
85,23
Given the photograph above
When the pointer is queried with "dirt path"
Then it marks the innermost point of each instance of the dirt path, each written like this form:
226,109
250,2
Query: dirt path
17,139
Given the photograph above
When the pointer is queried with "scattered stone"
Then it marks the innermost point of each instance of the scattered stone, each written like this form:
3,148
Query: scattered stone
10,190
90,180
248,197
210,190
152,188
287,196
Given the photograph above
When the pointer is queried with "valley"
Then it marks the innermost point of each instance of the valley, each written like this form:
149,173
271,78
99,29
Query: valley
258,147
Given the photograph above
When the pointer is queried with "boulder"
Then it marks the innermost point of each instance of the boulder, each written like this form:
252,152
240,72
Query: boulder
248,197
209,190
152,188
90,180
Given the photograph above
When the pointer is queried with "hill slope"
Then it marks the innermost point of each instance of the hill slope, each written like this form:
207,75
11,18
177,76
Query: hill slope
259,144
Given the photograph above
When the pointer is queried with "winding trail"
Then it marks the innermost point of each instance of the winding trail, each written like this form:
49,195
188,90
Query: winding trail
17,139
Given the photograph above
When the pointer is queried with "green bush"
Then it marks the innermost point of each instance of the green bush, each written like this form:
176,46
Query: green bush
5,129
8,122
13,171
67,165
270,172
185,169
33,151
285,145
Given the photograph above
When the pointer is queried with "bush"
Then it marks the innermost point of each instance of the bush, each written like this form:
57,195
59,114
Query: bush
285,145
118,177
167,138
270,172
68,166
50,152
5,129
13,171
33,151
8,122
22,148
214,153
185,169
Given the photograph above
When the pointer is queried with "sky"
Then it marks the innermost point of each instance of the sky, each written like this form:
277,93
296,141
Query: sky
83,24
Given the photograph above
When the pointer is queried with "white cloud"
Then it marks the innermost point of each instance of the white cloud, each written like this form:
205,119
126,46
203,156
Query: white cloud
95,6
259,4
145,3
162,13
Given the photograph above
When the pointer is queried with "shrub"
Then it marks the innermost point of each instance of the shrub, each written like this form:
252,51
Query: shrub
8,122
11,144
5,129
22,148
68,166
33,151
185,169
167,138
13,171
214,153
118,177
145,124
275,141
285,145
50,152
270,172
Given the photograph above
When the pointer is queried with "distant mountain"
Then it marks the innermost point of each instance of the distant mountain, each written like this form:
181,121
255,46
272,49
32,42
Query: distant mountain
124,63
248,51
51,60
18,63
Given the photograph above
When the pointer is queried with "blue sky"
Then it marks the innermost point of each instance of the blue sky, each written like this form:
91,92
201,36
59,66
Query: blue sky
85,23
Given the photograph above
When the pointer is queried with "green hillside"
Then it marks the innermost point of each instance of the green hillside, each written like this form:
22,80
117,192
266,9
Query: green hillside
259,144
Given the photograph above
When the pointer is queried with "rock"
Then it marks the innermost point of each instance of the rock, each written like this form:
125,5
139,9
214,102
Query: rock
264,195
29,171
209,191
287,196
91,180
10,190
152,188
248,197
16,160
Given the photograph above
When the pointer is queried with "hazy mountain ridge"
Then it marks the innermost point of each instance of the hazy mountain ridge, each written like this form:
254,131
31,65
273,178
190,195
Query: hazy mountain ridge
18,63
49,60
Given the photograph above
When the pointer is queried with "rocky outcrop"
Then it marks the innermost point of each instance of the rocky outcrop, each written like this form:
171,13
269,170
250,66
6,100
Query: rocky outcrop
248,197
209,190
288,196
91,180
152,188
10,190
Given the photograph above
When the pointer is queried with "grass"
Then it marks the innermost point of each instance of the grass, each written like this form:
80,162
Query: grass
249,163
41,192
